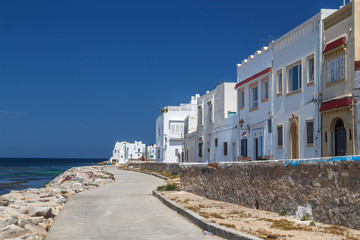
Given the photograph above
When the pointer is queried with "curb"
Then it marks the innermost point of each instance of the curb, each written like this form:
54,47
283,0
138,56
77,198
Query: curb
204,223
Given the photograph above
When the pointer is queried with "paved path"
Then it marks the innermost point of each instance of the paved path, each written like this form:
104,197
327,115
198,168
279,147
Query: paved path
124,209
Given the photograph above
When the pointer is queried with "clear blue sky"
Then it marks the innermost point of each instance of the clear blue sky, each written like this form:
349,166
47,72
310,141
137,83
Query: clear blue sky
75,76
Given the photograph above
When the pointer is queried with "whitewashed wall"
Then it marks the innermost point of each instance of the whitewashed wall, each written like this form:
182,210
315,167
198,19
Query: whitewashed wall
294,46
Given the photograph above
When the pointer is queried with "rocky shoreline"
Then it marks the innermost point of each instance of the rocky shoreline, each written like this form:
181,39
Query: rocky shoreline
28,214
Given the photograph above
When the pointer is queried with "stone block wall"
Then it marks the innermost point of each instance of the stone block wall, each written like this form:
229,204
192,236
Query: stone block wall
165,167
328,190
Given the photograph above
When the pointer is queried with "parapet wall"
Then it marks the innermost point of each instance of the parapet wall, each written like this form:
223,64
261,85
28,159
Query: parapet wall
165,167
327,190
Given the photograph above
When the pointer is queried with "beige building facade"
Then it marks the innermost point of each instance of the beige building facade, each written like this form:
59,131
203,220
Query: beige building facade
339,85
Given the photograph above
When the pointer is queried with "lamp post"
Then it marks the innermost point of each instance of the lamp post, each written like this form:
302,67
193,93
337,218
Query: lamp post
241,123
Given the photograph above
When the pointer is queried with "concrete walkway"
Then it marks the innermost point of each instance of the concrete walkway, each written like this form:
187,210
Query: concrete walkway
124,209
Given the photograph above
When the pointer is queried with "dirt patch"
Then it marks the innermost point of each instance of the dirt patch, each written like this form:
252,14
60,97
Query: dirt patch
263,224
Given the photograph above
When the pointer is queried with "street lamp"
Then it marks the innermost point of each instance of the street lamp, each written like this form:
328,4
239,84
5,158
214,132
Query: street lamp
241,123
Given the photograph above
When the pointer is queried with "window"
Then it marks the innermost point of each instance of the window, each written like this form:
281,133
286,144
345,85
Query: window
269,125
241,99
279,82
216,142
176,127
253,97
176,152
264,90
280,134
335,69
230,114
225,148
200,115
244,147
210,107
310,132
200,149
294,77
138,149
310,71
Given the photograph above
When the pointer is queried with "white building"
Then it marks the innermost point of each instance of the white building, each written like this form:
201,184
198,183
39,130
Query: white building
190,136
151,152
170,131
254,86
297,61
125,151
135,151
119,153
214,139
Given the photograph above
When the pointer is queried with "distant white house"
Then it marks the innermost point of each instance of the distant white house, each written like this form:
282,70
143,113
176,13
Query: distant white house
151,152
119,153
170,131
211,135
125,151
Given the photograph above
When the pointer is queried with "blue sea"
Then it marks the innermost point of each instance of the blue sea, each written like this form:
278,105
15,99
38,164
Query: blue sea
22,173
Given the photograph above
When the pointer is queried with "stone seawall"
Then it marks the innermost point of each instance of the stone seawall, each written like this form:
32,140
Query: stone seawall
165,167
327,190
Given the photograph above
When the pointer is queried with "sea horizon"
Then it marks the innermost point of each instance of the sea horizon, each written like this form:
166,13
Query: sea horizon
17,173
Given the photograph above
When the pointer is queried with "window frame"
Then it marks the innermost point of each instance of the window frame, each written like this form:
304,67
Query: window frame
200,118
210,113
278,93
277,135
291,66
313,133
241,103
263,81
333,58
308,58
252,86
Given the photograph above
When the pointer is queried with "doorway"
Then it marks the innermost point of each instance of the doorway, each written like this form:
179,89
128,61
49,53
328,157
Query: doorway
340,138
233,155
293,142
256,145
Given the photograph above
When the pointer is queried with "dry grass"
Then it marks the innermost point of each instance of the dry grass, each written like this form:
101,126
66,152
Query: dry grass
286,225
335,229
216,215
228,225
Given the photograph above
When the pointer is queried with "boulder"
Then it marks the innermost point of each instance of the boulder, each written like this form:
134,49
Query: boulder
60,199
4,222
40,212
46,224
12,231
36,230
11,212
4,201
30,220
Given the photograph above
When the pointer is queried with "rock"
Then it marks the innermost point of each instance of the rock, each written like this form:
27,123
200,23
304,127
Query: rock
10,212
4,201
36,230
60,199
4,222
12,231
30,220
56,210
40,211
46,224
33,237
